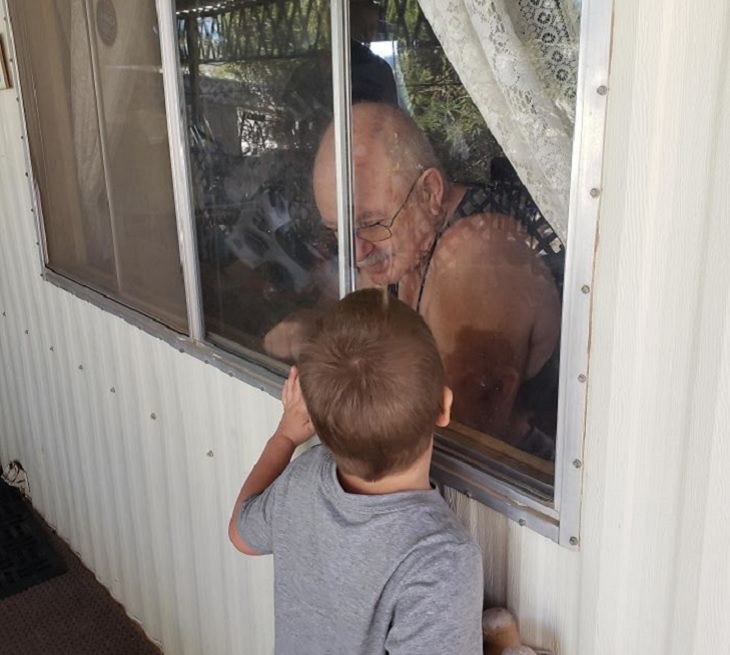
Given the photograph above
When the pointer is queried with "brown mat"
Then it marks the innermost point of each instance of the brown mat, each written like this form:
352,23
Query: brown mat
26,555
69,614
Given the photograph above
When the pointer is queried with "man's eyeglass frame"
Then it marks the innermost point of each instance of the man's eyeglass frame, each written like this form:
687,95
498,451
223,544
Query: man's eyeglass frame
383,225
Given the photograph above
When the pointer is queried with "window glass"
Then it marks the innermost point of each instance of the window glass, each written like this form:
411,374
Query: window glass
95,109
462,143
258,90
456,217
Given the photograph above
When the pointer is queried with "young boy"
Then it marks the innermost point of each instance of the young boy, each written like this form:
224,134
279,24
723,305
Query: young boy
368,558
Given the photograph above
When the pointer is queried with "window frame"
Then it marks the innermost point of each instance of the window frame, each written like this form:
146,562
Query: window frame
453,464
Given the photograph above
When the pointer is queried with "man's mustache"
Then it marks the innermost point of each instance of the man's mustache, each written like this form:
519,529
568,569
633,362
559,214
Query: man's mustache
373,259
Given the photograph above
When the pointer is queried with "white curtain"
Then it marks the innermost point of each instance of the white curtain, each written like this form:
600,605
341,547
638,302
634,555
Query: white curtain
518,61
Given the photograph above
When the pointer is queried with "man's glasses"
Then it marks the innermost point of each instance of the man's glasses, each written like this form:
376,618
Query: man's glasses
382,230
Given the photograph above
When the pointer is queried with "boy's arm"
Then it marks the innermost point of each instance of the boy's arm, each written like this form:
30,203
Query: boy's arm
270,465
294,429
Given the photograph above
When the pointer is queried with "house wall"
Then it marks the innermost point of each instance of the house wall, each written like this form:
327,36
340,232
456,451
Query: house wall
145,500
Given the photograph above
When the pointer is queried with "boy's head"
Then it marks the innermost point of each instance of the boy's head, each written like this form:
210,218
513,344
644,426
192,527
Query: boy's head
374,384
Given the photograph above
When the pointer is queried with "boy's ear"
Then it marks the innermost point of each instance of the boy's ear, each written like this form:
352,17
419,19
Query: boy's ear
447,398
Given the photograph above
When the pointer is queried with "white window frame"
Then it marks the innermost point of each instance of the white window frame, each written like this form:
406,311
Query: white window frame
452,466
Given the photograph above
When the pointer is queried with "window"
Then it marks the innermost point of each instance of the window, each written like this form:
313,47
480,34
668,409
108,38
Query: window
257,87
98,139
440,167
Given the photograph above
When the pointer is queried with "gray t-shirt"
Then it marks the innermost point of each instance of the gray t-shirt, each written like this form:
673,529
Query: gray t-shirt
365,575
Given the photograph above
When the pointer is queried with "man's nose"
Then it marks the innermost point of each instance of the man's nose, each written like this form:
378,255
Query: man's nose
362,248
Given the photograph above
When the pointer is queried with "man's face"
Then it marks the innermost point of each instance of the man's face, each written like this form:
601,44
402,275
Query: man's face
379,192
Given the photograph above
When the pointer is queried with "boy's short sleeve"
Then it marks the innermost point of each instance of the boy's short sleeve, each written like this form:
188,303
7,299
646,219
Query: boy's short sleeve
255,520
439,604
261,514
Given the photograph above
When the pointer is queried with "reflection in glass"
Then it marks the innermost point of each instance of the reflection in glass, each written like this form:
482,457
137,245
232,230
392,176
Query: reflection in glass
258,92
98,139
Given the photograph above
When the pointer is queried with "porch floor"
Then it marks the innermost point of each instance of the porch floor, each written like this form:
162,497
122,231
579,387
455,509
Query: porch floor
69,614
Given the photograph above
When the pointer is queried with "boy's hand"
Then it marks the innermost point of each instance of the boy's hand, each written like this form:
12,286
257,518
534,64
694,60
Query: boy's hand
295,424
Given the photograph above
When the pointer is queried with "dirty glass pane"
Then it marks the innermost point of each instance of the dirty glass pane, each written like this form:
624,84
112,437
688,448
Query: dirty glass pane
457,217
93,94
469,228
258,93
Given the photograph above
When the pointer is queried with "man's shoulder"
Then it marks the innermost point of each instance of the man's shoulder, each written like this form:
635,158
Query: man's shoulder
488,244
480,241
484,229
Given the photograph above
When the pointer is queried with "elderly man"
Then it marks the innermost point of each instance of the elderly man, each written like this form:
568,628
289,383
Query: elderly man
487,295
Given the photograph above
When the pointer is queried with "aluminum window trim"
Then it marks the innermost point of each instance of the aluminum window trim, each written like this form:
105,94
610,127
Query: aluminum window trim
33,188
585,192
180,166
342,125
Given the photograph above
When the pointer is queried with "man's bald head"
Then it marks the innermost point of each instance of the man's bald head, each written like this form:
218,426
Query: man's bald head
382,135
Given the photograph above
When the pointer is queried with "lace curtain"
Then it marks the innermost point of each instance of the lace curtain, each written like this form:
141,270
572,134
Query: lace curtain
518,61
